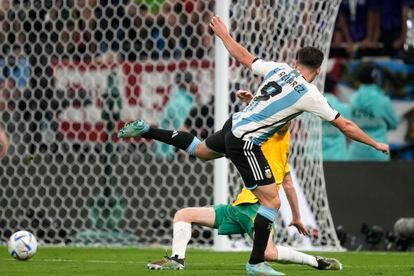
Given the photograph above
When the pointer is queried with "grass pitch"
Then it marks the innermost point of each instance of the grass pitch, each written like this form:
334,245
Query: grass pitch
132,261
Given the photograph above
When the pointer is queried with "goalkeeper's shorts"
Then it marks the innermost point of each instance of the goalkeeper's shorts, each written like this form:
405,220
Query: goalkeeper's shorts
235,219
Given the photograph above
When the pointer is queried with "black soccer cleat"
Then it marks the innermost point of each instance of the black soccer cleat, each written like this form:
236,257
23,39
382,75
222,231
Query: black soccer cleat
328,263
167,263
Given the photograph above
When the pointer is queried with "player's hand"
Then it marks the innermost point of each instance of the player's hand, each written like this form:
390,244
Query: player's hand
299,225
218,26
244,95
383,147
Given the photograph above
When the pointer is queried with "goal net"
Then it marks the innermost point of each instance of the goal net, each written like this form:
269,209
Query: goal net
73,72
276,30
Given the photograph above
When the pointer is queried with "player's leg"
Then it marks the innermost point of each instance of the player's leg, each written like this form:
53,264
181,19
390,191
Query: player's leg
266,215
183,221
212,148
286,255
265,189
257,176
180,139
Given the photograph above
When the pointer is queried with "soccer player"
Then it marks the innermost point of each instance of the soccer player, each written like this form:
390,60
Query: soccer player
285,93
237,218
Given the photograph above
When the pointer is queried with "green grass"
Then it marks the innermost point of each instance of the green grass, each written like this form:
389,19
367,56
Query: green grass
132,261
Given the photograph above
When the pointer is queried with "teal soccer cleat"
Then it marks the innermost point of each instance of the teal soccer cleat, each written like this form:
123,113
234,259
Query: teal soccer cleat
261,269
134,129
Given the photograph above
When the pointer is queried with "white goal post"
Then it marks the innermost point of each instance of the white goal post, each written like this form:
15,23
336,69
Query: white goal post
221,114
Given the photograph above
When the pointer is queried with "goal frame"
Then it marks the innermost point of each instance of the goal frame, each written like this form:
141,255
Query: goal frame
221,114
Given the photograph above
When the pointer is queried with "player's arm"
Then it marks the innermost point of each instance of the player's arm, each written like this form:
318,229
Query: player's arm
240,53
317,104
352,131
294,204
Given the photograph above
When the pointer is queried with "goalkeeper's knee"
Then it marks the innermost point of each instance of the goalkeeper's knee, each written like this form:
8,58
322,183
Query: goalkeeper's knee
182,215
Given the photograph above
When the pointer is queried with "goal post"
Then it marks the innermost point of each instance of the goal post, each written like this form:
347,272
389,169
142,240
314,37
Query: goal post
221,114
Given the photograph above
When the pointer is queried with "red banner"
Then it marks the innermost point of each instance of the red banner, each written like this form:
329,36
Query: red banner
144,89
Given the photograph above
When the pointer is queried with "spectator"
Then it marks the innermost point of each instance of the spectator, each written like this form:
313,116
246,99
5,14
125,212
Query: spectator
356,23
373,112
16,67
334,141
178,108
9,94
4,143
109,15
392,25
153,6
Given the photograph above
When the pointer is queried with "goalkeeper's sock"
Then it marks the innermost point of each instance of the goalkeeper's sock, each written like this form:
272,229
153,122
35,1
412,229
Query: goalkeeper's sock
288,255
262,227
179,139
181,237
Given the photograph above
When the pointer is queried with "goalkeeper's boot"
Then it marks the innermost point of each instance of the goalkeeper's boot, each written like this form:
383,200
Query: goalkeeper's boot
261,269
328,263
134,129
168,263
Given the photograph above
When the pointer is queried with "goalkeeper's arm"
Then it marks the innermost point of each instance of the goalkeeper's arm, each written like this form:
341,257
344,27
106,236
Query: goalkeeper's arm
294,205
240,53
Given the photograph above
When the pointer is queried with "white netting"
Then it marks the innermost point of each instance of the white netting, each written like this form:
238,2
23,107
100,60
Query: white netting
72,70
276,31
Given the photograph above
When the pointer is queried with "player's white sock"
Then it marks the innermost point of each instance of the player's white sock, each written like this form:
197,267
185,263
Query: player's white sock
181,237
288,255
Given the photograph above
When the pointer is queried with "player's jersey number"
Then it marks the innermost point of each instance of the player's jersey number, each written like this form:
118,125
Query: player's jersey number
271,89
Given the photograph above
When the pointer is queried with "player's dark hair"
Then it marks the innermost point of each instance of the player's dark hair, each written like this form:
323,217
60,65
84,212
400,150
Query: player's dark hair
310,57
367,72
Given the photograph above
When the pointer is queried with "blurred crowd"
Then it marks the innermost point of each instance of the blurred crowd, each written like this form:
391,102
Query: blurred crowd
370,78
36,34
369,108
86,29
372,27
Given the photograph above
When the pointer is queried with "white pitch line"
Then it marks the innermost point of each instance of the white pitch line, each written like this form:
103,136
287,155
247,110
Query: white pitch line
193,263
377,253
371,266
86,261
81,261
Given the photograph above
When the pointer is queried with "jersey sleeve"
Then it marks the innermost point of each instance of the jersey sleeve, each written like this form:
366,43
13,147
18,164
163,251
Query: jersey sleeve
261,67
317,104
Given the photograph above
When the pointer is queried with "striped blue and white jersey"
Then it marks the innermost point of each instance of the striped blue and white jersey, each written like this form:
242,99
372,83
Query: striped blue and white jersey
283,95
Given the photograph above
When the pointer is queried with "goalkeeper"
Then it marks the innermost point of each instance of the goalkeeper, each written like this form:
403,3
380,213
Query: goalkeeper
238,218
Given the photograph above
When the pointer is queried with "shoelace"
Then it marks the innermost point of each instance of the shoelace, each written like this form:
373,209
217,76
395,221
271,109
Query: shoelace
166,255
